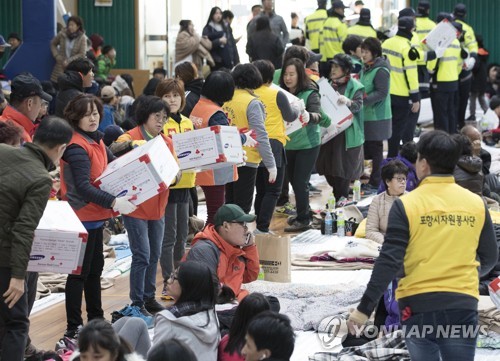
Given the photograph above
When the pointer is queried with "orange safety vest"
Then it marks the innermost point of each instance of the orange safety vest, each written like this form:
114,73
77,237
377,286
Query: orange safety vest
153,208
98,162
200,116
19,120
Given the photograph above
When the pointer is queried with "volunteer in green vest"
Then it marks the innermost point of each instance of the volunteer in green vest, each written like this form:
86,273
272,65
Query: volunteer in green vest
331,37
314,25
278,110
303,147
375,77
340,159
246,112
363,27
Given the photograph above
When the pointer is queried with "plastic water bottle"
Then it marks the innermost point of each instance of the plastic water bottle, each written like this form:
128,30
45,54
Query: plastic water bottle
328,222
261,275
356,191
340,223
331,202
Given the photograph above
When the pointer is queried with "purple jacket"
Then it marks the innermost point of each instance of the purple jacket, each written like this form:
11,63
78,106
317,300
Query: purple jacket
411,178
391,306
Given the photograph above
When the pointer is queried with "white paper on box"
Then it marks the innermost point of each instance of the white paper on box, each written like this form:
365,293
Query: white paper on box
59,242
441,36
208,148
143,172
339,114
290,127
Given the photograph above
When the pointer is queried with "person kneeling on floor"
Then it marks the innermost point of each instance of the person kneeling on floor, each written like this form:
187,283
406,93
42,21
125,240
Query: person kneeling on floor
228,248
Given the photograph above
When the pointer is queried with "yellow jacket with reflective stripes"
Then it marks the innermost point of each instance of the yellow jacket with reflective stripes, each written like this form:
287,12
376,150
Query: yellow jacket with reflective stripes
331,38
404,75
313,26
364,31
424,27
450,64
470,42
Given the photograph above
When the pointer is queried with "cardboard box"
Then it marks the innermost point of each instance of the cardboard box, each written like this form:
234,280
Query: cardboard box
60,241
208,148
340,114
143,172
290,127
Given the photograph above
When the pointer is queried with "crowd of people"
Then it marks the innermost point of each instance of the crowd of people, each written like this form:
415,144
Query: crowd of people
84,118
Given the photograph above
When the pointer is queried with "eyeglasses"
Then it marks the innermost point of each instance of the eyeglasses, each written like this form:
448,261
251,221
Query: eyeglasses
161,116
400,179
243,224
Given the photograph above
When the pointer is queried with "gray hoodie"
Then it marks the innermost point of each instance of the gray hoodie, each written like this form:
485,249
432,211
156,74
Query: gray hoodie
193,330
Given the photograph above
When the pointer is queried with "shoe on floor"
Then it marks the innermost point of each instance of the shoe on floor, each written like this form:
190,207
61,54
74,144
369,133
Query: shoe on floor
153,306
32,351
313,190
297,226
290,220
287,210
258,231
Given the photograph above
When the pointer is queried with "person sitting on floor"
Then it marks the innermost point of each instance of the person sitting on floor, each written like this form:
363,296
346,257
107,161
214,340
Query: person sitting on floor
407,155
171,350
228,248
468,173
192,318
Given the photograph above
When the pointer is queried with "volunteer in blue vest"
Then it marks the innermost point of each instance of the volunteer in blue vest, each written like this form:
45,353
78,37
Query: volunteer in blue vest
332,36
445,72
314,25
449,230
404,88
246,112
303,147
278,111
145,226
363,27
82,163
469,45
217,89
340,159
171,91
375,77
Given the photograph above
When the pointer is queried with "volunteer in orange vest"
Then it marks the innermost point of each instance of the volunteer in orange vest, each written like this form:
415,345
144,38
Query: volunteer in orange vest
83,161
246,112
217,89
145,226
278,110
171,91
228,249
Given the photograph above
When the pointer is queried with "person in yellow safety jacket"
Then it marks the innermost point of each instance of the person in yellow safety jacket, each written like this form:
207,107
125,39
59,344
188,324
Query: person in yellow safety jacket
364,26
171,91
332,36
424,26
246,112
314,24
424,55
404,80
278,111
444,87
469,44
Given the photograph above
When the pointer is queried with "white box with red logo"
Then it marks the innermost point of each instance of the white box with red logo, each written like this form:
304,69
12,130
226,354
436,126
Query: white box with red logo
494,288
143,172
208,148
59,242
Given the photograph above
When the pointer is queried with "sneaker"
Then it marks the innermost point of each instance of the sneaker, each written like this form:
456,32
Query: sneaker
313,190
297,226
153,306
32,351
287,210
341,202
141,312
290,220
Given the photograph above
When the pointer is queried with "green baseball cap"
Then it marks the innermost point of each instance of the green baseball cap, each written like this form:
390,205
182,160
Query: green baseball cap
232,213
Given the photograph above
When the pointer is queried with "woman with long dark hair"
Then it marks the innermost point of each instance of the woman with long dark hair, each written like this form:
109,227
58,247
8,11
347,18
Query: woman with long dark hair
215,30
192,318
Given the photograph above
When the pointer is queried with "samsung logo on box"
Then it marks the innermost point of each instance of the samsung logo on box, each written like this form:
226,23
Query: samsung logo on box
36,257
184,154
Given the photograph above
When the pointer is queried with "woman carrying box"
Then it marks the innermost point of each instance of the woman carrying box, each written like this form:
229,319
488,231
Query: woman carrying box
171,91
82,163
145,226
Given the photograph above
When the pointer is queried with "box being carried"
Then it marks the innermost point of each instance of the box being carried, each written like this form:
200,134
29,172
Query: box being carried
340,114
60,241
208,148
441,36
143,172
290,127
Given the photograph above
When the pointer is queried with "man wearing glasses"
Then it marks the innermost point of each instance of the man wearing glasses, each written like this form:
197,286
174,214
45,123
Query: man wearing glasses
228,248
442,237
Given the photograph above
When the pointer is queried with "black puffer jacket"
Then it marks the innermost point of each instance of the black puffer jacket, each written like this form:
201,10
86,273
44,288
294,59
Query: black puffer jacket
70,86
468,174
194,89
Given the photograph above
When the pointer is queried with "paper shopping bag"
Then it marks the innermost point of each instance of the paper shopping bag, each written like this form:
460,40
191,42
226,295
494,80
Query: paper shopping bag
275,257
